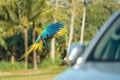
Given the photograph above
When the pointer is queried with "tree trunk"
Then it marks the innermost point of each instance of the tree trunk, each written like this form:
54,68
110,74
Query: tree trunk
12,59
26,46
53,40
13,54
71,27
83,25
34,52
53,50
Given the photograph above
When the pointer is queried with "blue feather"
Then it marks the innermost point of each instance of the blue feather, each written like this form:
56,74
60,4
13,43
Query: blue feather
38,40
51,29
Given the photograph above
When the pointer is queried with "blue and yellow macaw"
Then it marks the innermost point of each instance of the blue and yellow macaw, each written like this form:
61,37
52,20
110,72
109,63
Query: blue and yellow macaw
51,31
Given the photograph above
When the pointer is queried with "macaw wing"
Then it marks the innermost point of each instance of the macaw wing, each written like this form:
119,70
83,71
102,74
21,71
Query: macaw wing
61,32
51,30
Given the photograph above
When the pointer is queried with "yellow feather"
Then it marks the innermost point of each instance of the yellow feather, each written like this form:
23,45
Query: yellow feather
34,46
62,32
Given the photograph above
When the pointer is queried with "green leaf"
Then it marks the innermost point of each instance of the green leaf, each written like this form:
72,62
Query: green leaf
3,43
12,15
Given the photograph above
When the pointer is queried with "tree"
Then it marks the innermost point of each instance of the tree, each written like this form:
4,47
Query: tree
2,36
72,24
83,21
33,12
53,40
34,52
24,13
6,23
2,26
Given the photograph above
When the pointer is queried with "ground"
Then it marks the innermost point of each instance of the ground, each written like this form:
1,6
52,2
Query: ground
41,74
30,77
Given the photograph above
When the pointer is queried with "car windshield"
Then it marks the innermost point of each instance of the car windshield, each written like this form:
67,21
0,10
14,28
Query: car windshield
108,47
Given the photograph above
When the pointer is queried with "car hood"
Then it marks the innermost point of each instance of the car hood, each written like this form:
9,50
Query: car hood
92,71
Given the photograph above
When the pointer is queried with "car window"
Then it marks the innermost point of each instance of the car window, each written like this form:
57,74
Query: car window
108,47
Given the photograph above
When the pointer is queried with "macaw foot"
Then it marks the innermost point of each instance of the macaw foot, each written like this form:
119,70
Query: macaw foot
44,43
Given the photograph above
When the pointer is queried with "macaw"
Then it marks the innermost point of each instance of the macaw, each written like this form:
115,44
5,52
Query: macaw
51,31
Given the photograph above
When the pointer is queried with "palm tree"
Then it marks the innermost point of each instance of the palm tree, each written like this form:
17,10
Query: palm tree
2,26
71,24
2,36
34,52
83,22
24,13
6,23
53,40
32,9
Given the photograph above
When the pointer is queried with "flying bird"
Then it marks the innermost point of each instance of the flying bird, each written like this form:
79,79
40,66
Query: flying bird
51,31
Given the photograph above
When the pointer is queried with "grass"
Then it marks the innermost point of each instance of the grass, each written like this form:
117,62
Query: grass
40,74
46,70
16,66
7,66
37,77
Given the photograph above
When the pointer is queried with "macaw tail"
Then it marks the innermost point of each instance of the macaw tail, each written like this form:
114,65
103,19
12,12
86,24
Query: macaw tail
34,46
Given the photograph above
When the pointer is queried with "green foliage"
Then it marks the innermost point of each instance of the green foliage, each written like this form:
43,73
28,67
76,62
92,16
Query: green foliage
47,63
97,13
7,66
3,43
41,13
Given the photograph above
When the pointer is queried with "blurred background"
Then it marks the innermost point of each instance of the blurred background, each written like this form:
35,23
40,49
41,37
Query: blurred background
21,21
